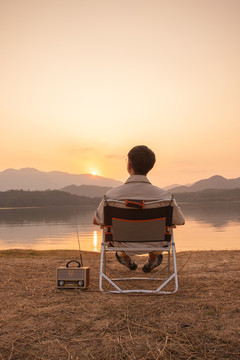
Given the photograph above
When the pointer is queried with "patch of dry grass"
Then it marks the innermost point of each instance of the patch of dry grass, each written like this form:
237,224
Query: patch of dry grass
200,321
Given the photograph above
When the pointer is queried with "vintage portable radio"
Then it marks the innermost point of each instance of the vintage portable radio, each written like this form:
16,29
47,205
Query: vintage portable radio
73,277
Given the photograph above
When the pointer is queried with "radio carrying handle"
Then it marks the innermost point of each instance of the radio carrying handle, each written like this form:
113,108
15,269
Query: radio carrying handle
69,262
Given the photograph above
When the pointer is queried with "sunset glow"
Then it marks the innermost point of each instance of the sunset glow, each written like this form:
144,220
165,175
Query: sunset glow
84,81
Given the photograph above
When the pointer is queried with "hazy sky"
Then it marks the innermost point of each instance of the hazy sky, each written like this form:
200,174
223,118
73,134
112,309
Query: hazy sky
82,81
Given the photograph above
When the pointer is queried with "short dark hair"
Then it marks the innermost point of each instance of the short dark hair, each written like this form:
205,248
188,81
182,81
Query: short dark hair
141,159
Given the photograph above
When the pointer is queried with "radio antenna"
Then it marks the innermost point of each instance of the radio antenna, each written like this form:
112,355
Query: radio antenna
80,253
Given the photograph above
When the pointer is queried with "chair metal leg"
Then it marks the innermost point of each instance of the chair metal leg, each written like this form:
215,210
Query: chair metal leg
118,289
102,262
169,261
174,264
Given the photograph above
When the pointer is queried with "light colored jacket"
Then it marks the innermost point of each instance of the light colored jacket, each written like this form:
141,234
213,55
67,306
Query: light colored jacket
138,187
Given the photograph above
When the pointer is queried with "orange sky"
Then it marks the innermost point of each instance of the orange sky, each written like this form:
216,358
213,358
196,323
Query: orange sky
82,81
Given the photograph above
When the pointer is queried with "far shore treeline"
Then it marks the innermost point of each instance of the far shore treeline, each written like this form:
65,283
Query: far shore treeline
22,198
209,195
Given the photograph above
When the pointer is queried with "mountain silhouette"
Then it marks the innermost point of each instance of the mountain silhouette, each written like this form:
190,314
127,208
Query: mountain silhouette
87,190
33,179
214,182
91,185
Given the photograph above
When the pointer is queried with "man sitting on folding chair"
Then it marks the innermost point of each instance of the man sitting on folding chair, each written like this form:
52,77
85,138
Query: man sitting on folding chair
141,160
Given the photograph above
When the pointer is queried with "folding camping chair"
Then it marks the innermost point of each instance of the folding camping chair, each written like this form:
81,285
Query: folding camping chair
137,223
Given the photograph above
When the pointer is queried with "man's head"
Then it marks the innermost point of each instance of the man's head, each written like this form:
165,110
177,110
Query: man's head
141,159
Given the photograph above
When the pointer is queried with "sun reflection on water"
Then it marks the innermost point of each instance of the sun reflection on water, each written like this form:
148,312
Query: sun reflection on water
95,240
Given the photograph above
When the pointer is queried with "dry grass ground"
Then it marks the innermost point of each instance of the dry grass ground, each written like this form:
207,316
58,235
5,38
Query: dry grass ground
200,321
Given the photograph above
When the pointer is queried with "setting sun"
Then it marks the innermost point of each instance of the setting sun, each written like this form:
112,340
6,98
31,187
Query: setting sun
93,173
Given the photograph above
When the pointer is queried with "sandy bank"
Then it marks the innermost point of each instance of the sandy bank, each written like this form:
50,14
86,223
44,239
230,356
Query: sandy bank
200,321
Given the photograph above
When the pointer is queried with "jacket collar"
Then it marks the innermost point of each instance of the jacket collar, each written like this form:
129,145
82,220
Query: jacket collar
137,178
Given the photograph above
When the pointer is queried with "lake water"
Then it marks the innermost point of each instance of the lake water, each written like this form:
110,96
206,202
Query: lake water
208,227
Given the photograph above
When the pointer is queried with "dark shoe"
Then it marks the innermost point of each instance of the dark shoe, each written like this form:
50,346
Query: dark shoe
150,265
130,264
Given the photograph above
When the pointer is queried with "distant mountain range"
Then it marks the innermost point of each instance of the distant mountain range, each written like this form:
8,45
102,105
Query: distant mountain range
214,182
91,191
92,185
33,179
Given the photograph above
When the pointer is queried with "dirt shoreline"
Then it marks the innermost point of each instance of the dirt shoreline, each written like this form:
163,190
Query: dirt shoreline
38,321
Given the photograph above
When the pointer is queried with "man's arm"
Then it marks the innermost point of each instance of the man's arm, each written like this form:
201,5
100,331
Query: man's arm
98,218
95,221
178,218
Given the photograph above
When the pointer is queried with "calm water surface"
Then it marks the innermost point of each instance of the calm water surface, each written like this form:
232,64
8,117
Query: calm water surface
208,227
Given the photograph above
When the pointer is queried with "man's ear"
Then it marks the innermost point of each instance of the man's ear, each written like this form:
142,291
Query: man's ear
129,168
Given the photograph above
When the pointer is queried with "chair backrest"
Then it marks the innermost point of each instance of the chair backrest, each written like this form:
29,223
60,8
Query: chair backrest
133,222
